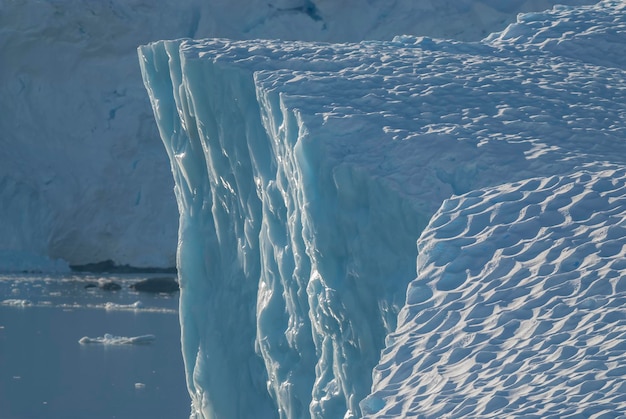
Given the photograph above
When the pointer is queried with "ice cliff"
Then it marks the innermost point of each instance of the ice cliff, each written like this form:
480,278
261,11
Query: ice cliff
305,173
83,177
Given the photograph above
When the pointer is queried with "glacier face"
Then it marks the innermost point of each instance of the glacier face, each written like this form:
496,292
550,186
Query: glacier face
82,175
305,172
80,178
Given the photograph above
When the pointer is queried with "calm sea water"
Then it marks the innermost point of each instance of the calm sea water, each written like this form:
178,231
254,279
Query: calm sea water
46,373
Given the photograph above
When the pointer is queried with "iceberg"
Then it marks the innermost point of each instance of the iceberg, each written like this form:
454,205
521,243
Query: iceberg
83,178
305,173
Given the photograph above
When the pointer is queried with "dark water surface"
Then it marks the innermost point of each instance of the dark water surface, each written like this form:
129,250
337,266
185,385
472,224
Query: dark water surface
46,373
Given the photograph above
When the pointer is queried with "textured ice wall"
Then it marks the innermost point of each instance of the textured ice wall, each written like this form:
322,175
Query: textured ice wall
251,220
82,174
305,172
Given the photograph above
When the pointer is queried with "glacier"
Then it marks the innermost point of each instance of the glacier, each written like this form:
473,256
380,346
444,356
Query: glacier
402,227
83,178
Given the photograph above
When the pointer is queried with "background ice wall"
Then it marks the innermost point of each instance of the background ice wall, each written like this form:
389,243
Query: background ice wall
300,186
82,176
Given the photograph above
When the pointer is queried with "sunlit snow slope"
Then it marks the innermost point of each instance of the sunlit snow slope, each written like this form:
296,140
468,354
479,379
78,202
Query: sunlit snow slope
518,309
83,177
306,172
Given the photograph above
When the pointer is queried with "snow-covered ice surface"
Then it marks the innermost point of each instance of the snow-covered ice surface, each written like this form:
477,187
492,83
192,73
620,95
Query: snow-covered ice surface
518,309
306,172
83,177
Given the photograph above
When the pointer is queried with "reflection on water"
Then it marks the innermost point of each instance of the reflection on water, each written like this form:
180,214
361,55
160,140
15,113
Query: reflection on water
46,373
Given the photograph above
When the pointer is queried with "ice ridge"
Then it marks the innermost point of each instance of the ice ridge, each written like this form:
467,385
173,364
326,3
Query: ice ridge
305,172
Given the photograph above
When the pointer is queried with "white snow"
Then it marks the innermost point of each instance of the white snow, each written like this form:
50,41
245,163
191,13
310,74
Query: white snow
305,173
83,177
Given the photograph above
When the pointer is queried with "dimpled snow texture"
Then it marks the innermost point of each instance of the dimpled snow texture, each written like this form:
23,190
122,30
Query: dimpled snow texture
518,306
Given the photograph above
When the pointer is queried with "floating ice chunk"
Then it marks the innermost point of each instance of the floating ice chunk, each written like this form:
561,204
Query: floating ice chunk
15,302
109,339
123,307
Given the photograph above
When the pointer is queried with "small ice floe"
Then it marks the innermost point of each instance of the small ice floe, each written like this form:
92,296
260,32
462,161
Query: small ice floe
123,307
14,302
109,339
140,386
137,306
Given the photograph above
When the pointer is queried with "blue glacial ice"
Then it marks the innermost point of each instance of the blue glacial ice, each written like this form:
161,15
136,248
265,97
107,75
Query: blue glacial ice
305,173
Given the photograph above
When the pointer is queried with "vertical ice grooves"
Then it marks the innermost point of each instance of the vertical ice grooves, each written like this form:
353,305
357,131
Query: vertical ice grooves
325,268
267,247
286,346
219,228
